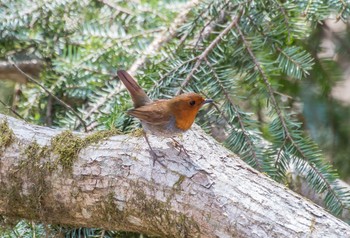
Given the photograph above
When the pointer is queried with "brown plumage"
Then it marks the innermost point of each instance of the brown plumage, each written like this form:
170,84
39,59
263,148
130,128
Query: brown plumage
165,117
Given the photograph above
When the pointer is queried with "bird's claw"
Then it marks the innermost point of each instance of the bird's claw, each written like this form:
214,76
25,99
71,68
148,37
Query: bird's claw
181,148
156,157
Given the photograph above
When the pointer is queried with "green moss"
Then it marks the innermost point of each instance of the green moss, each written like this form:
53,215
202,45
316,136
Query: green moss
177,185
110,213
157,215
34,151
34,170
7,137
137,132
67,145
26,204
100,135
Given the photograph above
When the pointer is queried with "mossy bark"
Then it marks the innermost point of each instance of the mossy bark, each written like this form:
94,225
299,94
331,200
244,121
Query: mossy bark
6,135
61,177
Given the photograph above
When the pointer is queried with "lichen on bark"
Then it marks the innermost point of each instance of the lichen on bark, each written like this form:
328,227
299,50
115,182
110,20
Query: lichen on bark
157,216
34,169
7,137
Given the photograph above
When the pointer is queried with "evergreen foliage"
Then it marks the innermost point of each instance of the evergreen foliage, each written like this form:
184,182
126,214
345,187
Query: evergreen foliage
241,53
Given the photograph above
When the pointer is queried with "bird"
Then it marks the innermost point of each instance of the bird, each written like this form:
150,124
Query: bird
163,117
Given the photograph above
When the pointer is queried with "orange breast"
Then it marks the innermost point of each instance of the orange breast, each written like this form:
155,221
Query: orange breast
185,118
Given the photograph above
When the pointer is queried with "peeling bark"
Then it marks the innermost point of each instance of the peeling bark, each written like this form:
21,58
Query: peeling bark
114,185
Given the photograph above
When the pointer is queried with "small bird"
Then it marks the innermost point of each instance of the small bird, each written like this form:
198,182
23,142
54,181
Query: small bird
164,117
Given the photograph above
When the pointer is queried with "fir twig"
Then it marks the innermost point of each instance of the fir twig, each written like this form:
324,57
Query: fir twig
209,27
101,102
344,7
174,70
229,99
185,36
286,133
285,17
12,110
163,37
212,45
116,7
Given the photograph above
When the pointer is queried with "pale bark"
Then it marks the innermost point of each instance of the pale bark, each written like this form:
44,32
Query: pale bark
114,185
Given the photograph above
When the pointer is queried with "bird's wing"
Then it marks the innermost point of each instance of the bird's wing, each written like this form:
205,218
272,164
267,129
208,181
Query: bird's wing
155,113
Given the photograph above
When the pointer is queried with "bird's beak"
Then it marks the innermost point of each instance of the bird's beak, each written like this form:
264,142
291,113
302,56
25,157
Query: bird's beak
208,101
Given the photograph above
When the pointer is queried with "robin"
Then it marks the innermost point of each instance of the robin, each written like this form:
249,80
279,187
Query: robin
164,117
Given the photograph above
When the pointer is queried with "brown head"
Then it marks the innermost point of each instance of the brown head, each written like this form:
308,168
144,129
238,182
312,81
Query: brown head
185,108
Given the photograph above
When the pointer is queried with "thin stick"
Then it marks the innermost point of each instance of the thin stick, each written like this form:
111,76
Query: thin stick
212,45
163,37
49,93
12,110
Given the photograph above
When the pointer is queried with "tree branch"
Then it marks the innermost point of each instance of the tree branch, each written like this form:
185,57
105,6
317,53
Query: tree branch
163,37
114,185
287,134
212,45
116,7
246,135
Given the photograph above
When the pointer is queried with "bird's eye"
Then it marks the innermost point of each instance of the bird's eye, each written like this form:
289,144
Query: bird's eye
192,103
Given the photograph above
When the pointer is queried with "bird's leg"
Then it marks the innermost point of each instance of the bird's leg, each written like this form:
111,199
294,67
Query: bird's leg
153,153
180,147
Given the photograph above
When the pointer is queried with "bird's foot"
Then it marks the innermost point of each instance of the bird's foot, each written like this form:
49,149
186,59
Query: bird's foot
181,148
156,157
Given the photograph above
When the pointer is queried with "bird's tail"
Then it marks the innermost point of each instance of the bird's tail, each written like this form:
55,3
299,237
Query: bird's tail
139,97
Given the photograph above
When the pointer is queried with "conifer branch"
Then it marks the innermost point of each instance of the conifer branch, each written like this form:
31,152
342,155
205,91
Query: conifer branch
185,36
26,12
240,120
102,102
279,153
211,24
89,57
163,37
116,7
343,8
306,11
212,45
268,85
298,65
173,70
285,17
287,135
